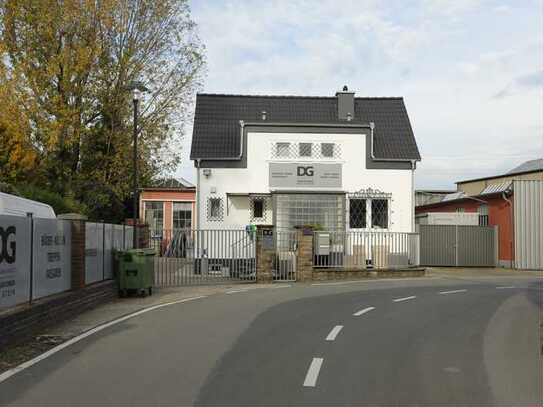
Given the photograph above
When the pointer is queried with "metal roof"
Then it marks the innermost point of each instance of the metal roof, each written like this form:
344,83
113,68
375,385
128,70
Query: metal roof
532,165
454,196
216,131
496,188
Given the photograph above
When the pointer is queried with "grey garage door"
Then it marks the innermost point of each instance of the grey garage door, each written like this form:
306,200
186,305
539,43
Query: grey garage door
458,246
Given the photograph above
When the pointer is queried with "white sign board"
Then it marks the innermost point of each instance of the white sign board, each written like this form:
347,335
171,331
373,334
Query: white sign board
51,257
304,175
94,252
14,260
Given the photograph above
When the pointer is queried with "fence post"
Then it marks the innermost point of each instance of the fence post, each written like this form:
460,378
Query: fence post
103,250
265,253
31,285
305,254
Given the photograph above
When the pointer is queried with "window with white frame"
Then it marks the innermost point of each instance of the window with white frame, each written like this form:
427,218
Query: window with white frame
215,210
154,215
182,215
258,206
369,209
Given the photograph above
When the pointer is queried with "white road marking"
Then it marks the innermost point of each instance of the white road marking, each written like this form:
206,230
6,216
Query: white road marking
504,287
237,291
334,332
453,291
378,280
363,311
404,298
8,373
313,372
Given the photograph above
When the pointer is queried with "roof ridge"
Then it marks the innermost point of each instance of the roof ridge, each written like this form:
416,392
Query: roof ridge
293,96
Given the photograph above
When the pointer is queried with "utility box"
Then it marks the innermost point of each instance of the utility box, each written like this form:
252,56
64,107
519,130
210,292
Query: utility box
322,244
136,271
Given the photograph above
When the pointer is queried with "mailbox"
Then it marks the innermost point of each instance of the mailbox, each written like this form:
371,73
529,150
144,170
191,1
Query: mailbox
322,244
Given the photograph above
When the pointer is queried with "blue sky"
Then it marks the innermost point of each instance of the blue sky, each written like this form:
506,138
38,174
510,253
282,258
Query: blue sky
471,71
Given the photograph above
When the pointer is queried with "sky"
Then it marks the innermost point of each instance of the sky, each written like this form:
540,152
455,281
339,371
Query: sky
470,71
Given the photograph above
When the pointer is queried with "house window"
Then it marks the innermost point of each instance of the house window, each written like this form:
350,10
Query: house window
379,213
304,149
154,215
282,150
357,213
483,215
327,150
182,215
214,209
258,208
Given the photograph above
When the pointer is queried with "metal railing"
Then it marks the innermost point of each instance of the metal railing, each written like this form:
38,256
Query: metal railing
372,250
190,256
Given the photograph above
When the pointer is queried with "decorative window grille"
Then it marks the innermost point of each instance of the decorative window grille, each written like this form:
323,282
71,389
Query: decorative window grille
259,206
357,213
304,149
215,210
327,150
369,208
282,150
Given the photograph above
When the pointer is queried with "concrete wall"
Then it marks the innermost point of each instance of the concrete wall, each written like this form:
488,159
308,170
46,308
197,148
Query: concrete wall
255,178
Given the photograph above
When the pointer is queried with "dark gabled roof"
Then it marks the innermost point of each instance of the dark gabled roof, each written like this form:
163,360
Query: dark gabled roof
216,131
171,183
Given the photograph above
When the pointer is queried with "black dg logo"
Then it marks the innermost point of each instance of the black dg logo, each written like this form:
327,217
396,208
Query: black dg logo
7,249
305,171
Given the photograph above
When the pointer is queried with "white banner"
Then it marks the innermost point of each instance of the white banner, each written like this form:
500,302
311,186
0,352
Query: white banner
14,260
51,257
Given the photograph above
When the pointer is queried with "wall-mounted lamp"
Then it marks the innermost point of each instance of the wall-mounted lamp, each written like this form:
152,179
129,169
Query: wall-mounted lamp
206,172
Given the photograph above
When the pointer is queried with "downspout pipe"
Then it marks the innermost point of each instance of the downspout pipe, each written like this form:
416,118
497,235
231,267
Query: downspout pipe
512,225
198,196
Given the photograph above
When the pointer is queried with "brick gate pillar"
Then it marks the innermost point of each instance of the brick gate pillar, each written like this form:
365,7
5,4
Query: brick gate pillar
305,255
265,253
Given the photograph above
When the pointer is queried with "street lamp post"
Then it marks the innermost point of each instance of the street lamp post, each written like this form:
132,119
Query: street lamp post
137,88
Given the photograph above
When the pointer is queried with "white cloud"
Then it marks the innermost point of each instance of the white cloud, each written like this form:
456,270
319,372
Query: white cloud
449,59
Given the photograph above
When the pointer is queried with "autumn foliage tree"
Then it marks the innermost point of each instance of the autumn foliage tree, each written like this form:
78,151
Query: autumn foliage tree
64,70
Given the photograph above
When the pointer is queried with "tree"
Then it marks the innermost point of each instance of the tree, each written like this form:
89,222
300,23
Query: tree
69,62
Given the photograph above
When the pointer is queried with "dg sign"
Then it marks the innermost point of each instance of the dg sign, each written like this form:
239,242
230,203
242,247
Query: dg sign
304,175
14,260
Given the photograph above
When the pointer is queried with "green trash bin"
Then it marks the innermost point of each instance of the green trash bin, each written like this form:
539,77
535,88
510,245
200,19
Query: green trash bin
136,271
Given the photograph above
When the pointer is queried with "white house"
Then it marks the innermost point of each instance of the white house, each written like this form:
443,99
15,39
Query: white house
343,162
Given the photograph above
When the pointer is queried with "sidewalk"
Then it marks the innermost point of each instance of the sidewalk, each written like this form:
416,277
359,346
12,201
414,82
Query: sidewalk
452,272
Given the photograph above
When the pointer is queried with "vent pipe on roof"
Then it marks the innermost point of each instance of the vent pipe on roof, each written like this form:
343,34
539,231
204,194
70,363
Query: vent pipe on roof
345,104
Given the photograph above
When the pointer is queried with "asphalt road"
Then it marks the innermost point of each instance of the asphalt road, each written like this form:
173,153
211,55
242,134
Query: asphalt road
422,342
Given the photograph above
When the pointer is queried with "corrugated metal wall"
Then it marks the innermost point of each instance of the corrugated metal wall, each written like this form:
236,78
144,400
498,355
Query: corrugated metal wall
528,208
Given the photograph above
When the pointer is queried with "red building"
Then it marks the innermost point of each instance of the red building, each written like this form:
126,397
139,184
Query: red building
495,208
168,205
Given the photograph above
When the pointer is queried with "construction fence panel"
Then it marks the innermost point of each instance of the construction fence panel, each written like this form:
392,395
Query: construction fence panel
528,215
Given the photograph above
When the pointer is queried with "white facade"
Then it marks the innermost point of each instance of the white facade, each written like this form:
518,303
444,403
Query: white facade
233,185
